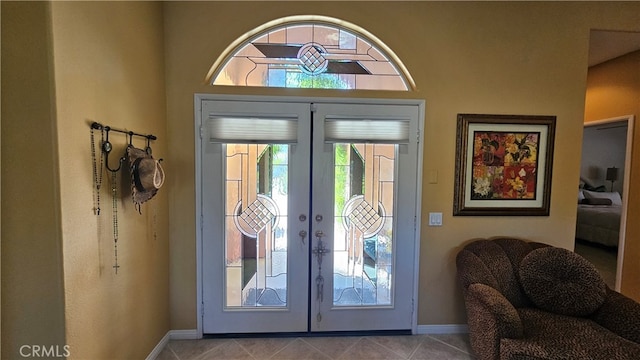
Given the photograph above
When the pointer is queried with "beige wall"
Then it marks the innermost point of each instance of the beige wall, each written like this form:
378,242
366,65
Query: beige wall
67,64
613,90
496,58
32,281
109,67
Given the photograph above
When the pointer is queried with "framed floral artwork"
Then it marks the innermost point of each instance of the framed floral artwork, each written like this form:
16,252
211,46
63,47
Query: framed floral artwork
503,164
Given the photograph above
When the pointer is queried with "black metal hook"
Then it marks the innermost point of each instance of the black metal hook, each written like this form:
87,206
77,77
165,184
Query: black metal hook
148,148
107,147
120,161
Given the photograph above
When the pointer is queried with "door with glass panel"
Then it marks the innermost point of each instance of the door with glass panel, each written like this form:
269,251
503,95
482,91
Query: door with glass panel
255,205
364,204
308,216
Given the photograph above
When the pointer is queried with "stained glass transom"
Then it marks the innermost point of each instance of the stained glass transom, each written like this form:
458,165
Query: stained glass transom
311,55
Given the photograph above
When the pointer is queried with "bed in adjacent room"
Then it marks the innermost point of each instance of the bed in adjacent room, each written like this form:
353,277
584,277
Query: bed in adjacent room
598,218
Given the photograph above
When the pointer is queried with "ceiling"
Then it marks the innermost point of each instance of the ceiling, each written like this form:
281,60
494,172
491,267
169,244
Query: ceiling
607,45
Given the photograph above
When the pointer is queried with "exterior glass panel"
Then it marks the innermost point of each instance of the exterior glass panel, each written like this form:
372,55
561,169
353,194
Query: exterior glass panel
256,225
363,229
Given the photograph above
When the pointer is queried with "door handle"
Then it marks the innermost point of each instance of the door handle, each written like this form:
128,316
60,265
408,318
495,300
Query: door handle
302,234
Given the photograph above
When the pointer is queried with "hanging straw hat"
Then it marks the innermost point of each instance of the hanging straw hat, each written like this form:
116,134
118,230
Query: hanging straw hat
147,175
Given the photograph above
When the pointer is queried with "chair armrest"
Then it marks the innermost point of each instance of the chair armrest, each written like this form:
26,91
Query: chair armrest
490,317
621,315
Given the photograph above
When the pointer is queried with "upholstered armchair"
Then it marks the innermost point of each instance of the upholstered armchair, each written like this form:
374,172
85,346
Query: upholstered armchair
528,300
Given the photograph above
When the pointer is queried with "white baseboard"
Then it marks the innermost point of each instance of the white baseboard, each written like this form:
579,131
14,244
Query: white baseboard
158,349
172,335
443,329
184,334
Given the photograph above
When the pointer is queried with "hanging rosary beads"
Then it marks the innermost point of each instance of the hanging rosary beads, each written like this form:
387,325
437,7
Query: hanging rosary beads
114,196
97,170
105,149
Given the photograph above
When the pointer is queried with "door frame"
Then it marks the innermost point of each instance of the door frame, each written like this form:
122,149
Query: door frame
626,177
199,131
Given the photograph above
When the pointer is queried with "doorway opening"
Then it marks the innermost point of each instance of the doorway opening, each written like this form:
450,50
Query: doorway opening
308,214
603,195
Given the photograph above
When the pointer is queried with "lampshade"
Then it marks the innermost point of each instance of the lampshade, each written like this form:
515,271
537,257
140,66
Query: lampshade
612,174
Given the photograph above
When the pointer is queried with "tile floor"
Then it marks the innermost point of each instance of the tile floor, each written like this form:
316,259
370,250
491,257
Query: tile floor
604,259
426,347
437,347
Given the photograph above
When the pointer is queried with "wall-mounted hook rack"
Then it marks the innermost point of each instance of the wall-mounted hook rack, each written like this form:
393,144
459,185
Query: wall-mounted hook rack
98,126
105,149
106,146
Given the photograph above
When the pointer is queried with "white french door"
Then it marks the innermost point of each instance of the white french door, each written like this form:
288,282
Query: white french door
308,215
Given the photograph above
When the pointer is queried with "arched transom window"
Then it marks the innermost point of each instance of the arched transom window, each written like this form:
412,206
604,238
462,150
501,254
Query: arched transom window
310,52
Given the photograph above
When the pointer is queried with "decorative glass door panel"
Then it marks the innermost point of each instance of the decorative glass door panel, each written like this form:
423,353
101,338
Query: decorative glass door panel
363,224
256,225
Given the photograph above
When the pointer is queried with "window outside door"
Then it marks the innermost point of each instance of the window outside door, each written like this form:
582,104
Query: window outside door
308,216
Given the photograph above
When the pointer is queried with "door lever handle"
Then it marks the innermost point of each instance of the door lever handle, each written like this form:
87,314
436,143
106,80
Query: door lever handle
303,234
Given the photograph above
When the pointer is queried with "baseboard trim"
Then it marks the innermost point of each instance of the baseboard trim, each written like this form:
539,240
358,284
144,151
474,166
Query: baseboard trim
172,335
443,329
159,347
191,334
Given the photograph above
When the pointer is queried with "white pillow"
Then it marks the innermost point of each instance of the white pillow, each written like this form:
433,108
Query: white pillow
613,196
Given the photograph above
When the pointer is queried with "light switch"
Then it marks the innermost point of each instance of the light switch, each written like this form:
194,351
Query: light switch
433,176
435,219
